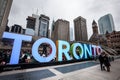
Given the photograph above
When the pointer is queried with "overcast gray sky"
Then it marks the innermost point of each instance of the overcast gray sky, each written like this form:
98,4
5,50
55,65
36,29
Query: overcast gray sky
65,9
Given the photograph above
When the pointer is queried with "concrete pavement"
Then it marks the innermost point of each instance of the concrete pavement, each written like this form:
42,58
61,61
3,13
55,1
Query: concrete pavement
91,73
89,70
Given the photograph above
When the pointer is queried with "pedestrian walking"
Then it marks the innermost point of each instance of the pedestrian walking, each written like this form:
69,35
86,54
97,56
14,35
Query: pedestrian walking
107,62
101,60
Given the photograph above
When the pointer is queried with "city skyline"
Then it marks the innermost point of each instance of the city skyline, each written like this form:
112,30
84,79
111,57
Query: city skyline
64,9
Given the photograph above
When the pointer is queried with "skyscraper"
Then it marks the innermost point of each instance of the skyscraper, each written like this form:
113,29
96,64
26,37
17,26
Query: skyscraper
43,26
16,28
5,6
31,22
36,23
106,23
30,28
61,30
80,29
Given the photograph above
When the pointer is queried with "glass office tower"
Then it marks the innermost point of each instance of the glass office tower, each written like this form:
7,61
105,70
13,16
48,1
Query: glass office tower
106,23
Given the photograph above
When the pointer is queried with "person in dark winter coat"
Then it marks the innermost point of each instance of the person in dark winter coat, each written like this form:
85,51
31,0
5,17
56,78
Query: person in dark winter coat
107,62
101,59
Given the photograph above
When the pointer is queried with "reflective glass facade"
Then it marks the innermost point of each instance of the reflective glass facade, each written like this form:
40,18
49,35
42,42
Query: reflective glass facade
106,23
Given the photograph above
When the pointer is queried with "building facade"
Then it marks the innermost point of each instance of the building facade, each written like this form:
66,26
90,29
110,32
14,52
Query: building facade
106,23
7,29
30,27
80,29
5,6
109,41
43,26
61,30
36,24
31,22
16,29
113,40
96,38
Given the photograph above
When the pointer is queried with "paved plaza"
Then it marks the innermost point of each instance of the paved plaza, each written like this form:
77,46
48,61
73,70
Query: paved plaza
88,70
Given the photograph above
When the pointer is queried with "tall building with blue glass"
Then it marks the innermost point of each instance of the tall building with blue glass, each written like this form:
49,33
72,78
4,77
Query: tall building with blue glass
106,23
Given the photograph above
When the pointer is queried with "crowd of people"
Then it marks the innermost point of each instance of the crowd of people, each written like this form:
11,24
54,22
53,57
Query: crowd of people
25,56
4,56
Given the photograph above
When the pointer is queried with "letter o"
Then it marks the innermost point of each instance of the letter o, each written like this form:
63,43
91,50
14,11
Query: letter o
99,50
81,50
35,47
